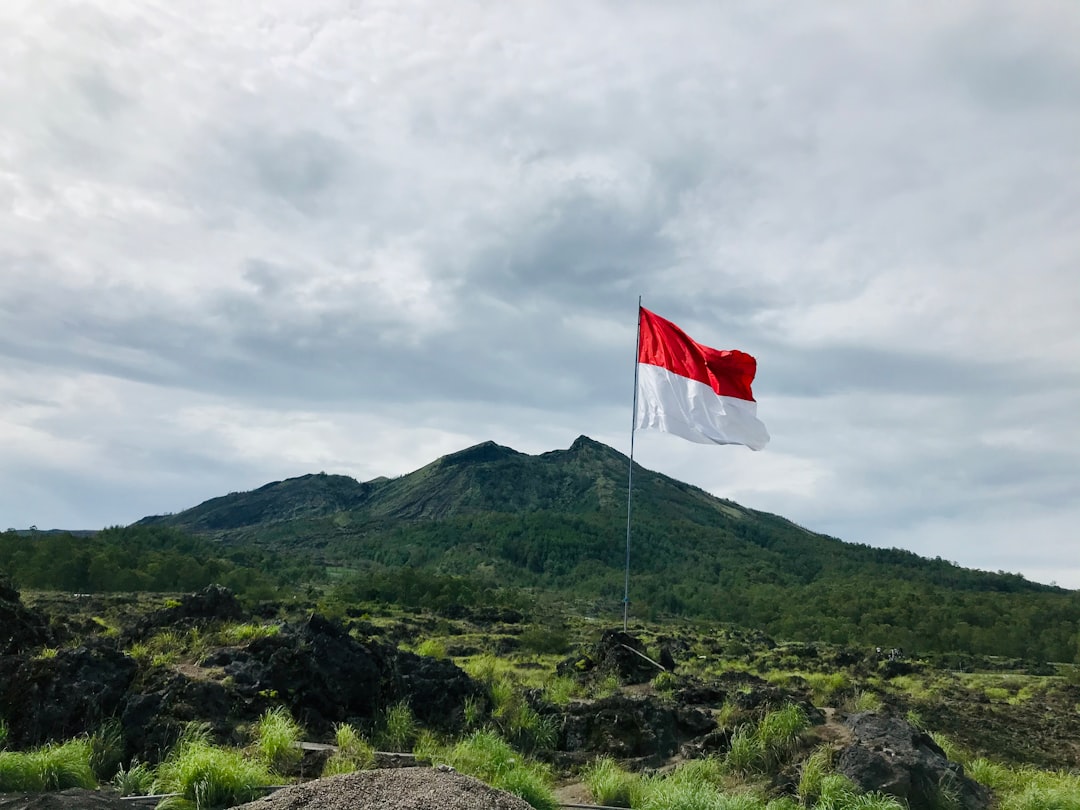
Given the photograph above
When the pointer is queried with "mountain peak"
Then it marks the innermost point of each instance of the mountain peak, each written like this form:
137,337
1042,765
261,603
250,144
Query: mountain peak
478,453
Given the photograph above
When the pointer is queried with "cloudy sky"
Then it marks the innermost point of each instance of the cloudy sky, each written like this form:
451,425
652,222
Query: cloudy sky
249,240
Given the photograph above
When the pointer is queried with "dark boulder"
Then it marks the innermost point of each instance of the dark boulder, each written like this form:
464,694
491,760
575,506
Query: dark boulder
888,754
631,727
324,676
65,695
624,655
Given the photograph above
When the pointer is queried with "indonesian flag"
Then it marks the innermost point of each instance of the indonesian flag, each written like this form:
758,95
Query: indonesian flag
695,392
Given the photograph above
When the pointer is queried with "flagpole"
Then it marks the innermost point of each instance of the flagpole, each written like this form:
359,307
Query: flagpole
630,476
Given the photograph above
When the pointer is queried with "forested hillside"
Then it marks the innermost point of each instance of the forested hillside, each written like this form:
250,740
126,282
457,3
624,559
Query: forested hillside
490,525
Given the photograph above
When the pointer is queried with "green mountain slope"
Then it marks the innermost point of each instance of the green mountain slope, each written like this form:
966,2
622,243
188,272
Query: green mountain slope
555,523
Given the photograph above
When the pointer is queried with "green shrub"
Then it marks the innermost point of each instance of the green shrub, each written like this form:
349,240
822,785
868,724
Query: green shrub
995,776
427,746
866,701
837,792
544,640
473,712
828,687
17,773
560,690
67,765
709,771
779,732
530,730
3,733
51,767
673,794
276,740
873,801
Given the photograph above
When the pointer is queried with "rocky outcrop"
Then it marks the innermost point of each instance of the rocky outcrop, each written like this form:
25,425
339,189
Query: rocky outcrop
617,653
213,603
888,754
58,697
316,669
631,727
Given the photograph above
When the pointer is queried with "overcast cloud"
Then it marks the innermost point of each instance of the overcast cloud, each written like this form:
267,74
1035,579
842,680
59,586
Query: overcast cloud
243,241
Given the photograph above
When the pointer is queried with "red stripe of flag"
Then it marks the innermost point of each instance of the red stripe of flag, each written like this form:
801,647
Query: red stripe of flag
729,373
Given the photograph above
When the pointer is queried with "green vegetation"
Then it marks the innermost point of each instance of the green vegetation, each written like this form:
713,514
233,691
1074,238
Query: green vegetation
51,767
432,648
276,738
491,527
397,728
135,780
488,757
354,753
209,776
610,785
764,746
145,558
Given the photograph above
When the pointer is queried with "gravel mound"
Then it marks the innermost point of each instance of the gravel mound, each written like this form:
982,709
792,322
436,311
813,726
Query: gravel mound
391,789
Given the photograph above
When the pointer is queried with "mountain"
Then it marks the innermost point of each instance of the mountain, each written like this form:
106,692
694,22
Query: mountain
554,523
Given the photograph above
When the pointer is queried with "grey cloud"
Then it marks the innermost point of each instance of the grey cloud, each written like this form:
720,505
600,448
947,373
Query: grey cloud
1014,63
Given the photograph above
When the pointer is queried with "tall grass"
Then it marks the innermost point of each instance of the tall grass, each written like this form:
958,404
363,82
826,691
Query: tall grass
397,728
812,773
488,757
244,632
3,733
135,780
609,784
107,750
51,767
771,742
277,738
354,752
432,648
209,776
1027,788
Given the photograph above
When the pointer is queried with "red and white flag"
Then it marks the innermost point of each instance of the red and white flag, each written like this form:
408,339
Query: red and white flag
695,392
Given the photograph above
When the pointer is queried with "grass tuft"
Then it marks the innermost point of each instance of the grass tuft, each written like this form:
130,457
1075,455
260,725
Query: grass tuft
397,728
135,780
354,752
209,776
433,648
276,740
609,784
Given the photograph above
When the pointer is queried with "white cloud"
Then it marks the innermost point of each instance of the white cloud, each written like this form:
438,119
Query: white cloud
240,239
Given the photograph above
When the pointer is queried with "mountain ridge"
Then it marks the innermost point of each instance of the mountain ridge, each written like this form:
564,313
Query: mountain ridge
587,481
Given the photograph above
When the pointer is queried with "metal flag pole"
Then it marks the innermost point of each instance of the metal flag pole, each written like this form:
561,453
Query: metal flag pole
630,476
